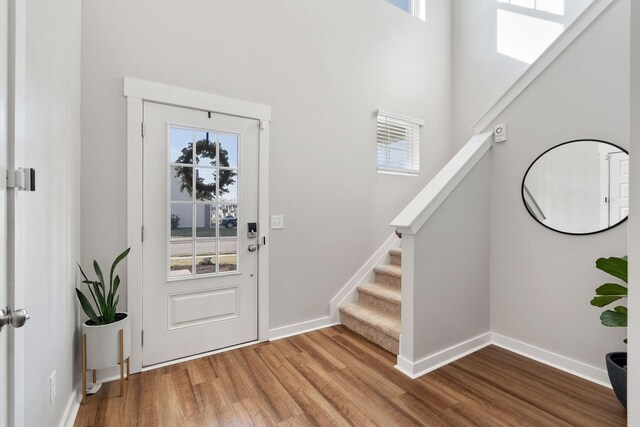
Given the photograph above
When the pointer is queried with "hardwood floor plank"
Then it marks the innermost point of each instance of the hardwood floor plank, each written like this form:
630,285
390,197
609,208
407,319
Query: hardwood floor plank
333,377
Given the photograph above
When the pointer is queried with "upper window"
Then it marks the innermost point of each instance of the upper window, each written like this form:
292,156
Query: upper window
398,141
414,7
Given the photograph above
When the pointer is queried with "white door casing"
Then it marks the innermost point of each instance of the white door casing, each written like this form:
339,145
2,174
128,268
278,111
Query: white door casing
4,136
619,187
137,92
199,278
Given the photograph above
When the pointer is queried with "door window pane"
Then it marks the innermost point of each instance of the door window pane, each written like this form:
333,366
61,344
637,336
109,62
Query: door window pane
228,220
206,184
229,193
205,257
228,255
206,221
228,150
181,143
181,183
206,148
181,220
181,259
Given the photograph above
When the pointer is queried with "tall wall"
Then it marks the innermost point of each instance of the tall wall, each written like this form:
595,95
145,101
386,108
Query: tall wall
542,281
325,67
50,217
481,72
634,222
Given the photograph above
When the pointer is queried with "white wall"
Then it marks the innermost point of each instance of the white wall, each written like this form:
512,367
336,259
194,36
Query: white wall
451,274
542,281
51,220
481,73
634,223
324,67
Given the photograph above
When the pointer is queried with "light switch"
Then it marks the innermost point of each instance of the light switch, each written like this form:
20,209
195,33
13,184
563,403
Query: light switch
277,222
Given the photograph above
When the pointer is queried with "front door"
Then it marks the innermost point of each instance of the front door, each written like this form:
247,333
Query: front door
200,213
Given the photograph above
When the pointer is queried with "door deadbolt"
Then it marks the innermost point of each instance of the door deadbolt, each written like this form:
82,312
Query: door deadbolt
17,318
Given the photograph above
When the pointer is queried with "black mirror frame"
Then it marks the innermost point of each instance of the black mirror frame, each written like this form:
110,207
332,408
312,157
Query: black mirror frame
524,202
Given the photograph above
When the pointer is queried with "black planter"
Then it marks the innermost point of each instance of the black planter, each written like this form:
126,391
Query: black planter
617,368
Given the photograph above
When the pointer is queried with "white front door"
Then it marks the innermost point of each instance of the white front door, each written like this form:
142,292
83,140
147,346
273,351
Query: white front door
200,206
4,136
619,187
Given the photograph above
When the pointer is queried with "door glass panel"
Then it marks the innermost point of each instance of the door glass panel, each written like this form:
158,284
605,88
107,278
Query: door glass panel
228,256
206,184
206,221
181,259
181,183
210,213
205,257
228,150
181,219
206,148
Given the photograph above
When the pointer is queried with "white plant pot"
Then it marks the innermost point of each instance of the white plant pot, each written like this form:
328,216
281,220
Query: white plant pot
103,342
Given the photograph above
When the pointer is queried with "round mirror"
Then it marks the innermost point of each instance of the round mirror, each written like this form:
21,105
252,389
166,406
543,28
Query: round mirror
579,187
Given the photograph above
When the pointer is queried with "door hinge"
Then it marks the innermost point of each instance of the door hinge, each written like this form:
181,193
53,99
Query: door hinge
142,233
23,179
141,337
261,124
142,129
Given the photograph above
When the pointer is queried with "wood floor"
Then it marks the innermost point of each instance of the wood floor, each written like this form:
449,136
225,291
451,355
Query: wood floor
334,377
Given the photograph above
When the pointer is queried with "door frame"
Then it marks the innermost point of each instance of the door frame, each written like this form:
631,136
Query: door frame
137,92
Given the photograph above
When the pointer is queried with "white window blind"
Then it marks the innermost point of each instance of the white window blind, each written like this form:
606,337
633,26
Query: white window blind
398,140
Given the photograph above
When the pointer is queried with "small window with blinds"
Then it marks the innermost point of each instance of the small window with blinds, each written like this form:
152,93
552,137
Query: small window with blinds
398,140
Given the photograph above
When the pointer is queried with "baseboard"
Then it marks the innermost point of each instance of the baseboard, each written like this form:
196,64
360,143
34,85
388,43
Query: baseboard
71,411
365,273
566,364
442,358
301,328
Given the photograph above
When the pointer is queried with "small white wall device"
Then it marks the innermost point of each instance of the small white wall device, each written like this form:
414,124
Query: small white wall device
500,132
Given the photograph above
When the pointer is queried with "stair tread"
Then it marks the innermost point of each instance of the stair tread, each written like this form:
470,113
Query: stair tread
383,322
390,270
377,290
396,251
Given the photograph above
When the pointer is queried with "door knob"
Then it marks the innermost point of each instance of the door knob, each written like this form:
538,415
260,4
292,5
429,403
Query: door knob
253,247
17,318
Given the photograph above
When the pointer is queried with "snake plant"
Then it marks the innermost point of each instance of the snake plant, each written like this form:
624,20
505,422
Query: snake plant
106,301
611,292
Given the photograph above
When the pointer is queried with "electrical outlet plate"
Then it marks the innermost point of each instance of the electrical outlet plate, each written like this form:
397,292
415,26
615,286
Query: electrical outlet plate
277,222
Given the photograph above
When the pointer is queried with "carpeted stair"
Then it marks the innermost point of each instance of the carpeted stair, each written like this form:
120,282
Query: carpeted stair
376,315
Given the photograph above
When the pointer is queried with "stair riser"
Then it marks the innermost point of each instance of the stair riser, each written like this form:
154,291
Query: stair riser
396,260
388,343
380,304
388,280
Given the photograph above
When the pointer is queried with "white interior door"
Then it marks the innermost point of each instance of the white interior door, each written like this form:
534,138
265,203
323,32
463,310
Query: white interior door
199,255
619,187
4,136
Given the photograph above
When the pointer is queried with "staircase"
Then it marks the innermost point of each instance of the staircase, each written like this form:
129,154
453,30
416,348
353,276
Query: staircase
376,315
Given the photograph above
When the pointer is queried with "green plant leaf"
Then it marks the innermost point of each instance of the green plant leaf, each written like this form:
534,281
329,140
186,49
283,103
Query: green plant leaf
100,282
613,319
611,289
93,296
83,275
601,301
617,267
86,307
120,257
621,309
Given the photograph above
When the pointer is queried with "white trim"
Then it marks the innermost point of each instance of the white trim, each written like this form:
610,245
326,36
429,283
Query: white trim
172,95
590,14
137,91
348,291
566,364
442,358
71,411
301,328
409,119
418,211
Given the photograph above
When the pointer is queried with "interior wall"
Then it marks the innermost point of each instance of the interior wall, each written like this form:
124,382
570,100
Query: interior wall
634,223
51,214
542,281
325,67
481,73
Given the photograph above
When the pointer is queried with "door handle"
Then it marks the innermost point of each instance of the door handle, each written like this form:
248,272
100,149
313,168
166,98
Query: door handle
17,318
253,247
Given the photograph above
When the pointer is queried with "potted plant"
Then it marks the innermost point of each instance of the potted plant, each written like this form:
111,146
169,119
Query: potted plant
106,334
605,295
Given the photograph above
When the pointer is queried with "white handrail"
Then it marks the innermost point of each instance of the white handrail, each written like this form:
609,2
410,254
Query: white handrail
573,31
418,211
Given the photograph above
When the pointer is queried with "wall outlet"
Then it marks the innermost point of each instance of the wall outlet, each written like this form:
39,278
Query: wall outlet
277,222
52,388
